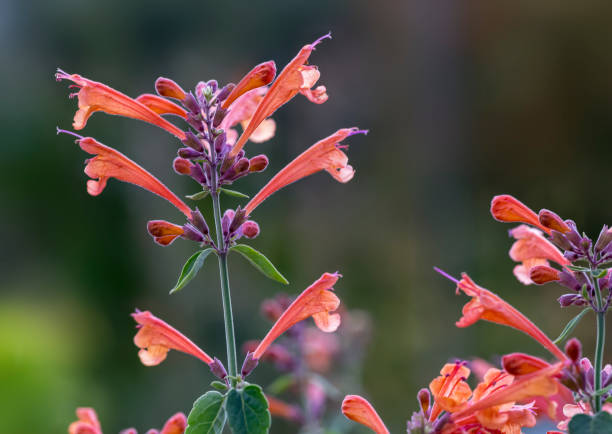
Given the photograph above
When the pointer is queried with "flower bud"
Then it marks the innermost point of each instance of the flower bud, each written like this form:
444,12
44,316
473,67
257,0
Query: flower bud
237,221
191,233
182,166
604,239
553,221
191,103
228,215
195,121
168,88
424,398
189,153
224,93
192,141
258,163
213,85
250,229
541,274
219,116
571,256
522,364
220,142
573,349
568,299
249,364
198,174
218,369
559,240
198,221
568,279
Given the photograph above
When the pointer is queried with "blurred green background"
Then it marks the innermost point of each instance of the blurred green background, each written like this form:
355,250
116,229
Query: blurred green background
463,100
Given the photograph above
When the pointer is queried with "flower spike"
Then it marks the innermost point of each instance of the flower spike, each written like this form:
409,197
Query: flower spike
317,301
295,77
323,155
155,338
110,163
358,409
94,96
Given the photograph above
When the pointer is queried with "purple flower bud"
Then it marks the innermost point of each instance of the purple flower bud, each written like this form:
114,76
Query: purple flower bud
571,256
249,364
258,163
573,349
568,279
197,173
559,240
250,229
226,221
198,221
195,121
568,299
191,103
213,85
189,153
220,142
424,398
208,174
192,141
169,88
191,233
224,93
574,237
217,368
182,166
604,239
219,116
237,220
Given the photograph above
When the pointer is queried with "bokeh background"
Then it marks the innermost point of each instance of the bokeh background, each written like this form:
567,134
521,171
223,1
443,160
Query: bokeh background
464,100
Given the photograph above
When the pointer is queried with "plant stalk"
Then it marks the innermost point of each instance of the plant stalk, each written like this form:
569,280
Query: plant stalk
599,349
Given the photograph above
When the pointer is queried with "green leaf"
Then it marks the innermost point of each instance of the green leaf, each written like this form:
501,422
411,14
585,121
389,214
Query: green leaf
603,391
247,410
198,196
259,261
598,274
191,268
570,326
219,385
207,415
578,268
584,424
234,193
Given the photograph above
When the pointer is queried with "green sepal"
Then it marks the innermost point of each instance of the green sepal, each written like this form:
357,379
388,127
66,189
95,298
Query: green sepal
208,414
219,385
571,325
247,410
584,292
584,424
259,261
191,268
578,268
199,195
598,274
233,193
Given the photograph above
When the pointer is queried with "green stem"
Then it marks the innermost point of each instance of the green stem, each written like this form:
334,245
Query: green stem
228,317
601,339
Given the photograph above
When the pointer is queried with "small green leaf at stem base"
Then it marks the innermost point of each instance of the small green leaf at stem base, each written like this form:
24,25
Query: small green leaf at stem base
570,326
191,268
219,386
207,415
259,261
233,193
199,195
247,410
584,424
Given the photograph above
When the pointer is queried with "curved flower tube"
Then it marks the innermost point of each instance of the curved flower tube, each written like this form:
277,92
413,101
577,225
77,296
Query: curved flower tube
323,155
155,338
316,301
358,409
508,209
294,78
161,105
110,163
261,75
94,96
164,233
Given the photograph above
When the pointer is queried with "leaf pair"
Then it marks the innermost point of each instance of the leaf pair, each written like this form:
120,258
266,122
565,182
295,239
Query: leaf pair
245,409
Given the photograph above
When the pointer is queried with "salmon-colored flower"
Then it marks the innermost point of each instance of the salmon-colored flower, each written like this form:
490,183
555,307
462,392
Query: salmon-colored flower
110,163
316,301
506,208
532,249
323,155
358,409
261,75
163,232
155,338
295,77
487,306
450,389
175,425
161,105
283,410
241,113
88,422
94,96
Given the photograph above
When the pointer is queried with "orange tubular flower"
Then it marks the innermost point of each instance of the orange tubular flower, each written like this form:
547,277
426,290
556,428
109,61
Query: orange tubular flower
489,307
316,301
87,424
163,232
94,96
155,338
508,209
281,409
262,75
110,163
358,409
175,425
323,155
161,105
450,389
295,77
532,249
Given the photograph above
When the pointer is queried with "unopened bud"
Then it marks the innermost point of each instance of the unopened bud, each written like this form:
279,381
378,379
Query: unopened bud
228,215
169,88
237,221
522,364
424,399
571,256
250,229
189,153
241,166
219,116
506,208
552,221
190,232
559,240
604,239
198,221
568,279
568,299
198,174
191,103
182,166
223,93
258,163
220,142
573,349
541,274
249,364
213,85
217,368
192,141
195,121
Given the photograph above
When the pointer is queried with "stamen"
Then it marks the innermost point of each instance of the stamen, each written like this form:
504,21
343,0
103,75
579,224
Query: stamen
357,131
445,274
318,41
59,130
60,74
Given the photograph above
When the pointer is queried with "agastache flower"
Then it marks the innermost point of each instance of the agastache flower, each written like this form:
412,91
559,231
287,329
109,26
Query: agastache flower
88,424
295,77
161,105
323,155
242,112
450,389
261,75
155,338
358,409
317,301
110,163
94,96
508,209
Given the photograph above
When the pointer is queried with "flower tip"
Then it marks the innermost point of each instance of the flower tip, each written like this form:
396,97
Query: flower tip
356,130
318,41
61,131
445,274
60,74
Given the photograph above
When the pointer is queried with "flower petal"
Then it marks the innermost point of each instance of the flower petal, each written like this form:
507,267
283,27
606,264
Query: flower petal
259,76
358,409
161,105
